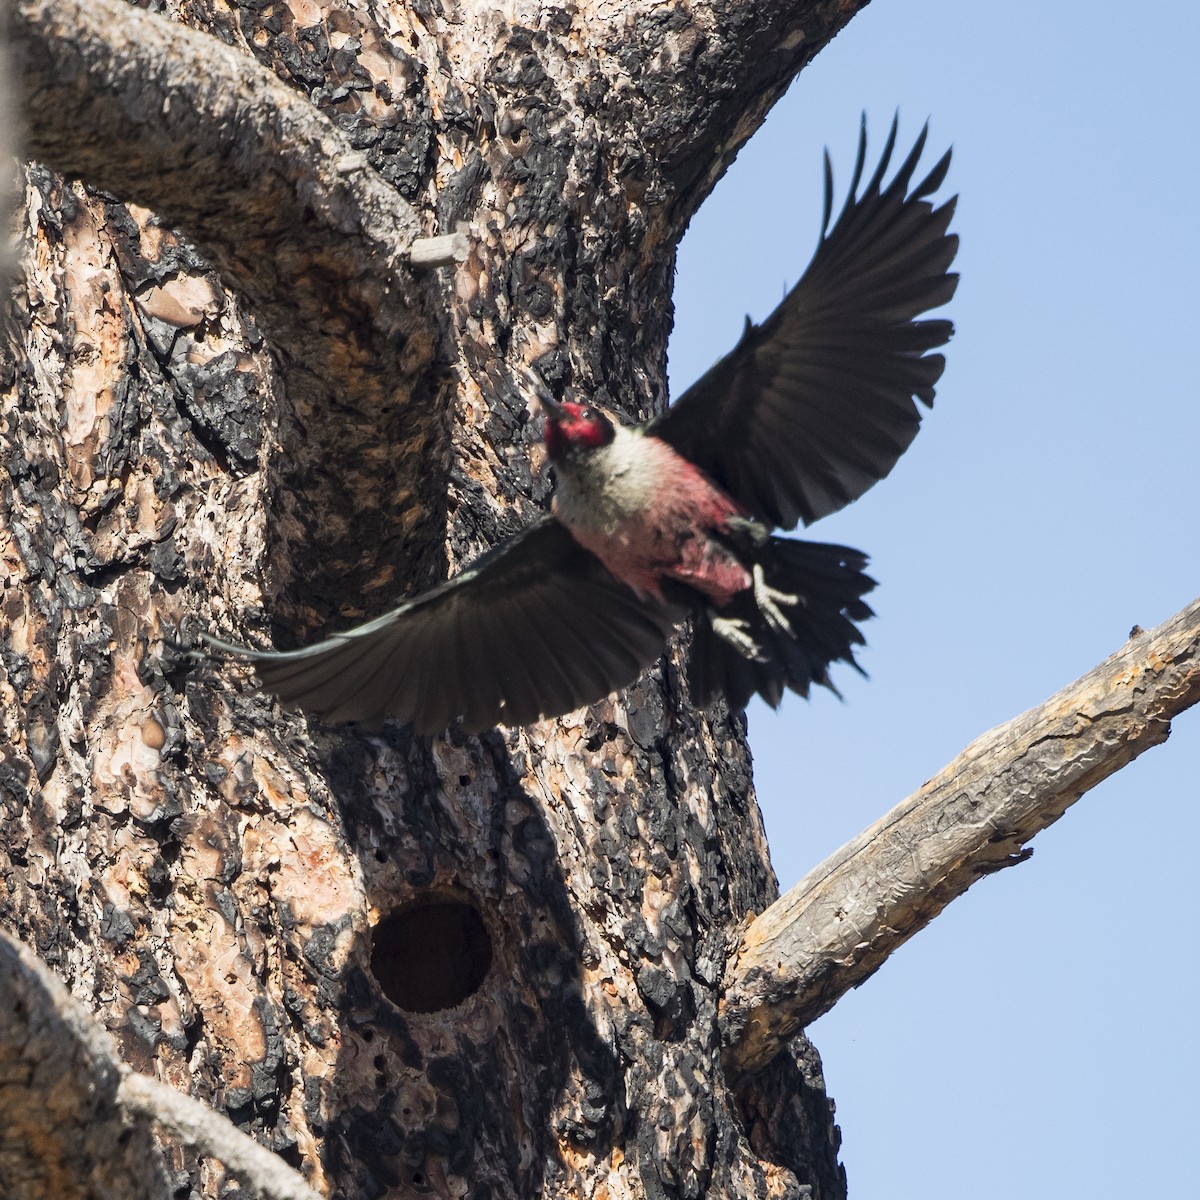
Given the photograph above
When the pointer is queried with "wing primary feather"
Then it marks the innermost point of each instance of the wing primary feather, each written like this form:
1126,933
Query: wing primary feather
828,194
375,690
935,178
404,698
519,687
288,666
487,685
393,697
295,680
427,716
451,685
598,675
442,704
476,680
393,691
861,161
876,181
842,360
398,695
560,644
899,185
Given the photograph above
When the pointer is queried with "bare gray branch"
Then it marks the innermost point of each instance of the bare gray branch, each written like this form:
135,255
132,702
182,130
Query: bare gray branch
838,924
266,1175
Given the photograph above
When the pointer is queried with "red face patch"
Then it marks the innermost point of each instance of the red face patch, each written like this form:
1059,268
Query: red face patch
577,426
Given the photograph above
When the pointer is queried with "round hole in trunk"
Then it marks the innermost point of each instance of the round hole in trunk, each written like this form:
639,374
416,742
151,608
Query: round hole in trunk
431,953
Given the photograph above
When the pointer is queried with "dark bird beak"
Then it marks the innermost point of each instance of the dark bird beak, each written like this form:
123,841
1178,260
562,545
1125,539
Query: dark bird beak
551,407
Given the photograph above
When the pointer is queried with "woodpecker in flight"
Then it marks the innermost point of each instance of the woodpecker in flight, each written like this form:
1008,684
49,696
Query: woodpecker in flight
652,525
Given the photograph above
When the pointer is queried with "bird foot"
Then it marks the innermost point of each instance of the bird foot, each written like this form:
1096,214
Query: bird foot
755,533
769,599
737,634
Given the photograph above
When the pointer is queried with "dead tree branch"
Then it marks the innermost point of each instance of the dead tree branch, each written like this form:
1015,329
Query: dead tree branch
264,1174
314,240
837,926
62,1131
723,68
264,184
86,1134
174,119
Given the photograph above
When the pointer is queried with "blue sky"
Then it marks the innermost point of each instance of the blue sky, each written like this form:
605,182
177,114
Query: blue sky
1040,1038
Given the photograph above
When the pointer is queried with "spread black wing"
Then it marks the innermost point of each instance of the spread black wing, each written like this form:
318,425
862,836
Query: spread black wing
537,627
816,404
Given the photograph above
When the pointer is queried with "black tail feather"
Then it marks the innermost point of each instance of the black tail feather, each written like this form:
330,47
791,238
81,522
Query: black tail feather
828,583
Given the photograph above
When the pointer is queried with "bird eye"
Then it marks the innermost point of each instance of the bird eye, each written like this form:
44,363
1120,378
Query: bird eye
588,414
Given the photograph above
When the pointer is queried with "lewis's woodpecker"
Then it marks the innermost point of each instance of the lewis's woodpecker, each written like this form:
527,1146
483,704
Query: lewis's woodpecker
653,525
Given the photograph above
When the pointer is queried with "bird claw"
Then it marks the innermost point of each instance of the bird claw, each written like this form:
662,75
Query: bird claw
769,599
754,532
737,633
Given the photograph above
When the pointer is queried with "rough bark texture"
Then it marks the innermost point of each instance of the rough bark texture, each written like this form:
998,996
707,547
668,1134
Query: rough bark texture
213,878
313,240
842,920
62,1129
74,1120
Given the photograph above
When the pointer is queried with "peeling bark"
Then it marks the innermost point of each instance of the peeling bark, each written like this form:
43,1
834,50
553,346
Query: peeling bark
239,418
836,927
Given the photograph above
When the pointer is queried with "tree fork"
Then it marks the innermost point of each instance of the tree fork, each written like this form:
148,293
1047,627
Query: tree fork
970,820
235,892
232,891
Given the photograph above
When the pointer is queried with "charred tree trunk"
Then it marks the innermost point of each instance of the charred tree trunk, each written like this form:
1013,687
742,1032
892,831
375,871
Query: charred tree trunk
485,966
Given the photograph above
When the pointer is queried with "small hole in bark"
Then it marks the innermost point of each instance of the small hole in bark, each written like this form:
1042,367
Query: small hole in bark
431,954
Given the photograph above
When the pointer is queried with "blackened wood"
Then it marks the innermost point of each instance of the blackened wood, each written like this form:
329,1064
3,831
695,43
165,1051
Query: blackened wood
299,223
207,873
266,185
261,1174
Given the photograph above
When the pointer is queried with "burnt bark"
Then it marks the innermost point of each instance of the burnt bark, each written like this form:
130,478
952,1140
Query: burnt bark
230,401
